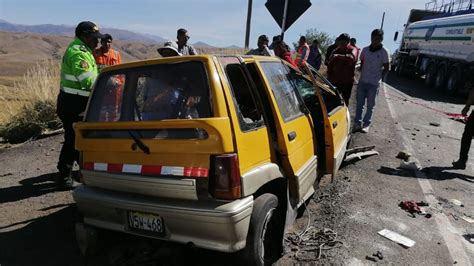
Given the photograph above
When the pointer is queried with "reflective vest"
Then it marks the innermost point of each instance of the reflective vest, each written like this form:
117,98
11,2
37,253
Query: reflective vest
78,69
110,58
303,53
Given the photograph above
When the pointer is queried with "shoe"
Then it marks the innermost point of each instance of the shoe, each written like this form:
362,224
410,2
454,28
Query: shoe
365,129
356,128
459,165
65,182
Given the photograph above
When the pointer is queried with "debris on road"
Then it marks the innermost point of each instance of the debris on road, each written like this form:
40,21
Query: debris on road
396,237
378,255
370,258
410,165
410,206
467,219
435,124
456,202
308,240
360,153
404,155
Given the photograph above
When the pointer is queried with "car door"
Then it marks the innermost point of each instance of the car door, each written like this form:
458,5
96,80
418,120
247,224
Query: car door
294,128
336,121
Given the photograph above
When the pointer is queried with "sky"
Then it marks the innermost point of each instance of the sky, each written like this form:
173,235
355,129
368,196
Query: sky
217,22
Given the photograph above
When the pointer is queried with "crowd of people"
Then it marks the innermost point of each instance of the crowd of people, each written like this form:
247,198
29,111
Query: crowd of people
83,60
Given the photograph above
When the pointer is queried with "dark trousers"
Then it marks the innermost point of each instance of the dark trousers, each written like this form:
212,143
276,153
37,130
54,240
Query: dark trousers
345,90
68,154
467,138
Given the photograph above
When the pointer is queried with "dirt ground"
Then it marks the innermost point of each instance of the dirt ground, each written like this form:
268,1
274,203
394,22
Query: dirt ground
37,222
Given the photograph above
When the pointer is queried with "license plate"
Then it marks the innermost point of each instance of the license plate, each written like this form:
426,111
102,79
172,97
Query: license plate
145,222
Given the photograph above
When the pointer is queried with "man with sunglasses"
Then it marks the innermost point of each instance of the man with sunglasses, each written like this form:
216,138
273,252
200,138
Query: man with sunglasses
183,47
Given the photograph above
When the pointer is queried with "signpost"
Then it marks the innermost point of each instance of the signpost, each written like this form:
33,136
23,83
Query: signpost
286,12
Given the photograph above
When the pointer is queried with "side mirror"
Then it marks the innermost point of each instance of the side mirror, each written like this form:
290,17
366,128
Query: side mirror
395,37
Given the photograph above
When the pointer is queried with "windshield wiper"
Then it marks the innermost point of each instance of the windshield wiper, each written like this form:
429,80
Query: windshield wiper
139,143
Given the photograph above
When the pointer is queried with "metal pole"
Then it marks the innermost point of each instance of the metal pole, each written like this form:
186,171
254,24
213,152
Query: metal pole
247,30
285,11
383,19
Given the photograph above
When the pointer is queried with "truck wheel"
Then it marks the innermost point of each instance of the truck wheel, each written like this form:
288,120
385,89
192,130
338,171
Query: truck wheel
454,82
440,80
430,75
264,239
400,69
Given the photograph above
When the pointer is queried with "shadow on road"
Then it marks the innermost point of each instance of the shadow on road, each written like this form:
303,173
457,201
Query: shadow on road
30,187
48,240
415,87
432,172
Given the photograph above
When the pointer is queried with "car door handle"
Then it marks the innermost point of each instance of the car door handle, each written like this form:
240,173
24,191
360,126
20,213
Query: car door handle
291,135
334,124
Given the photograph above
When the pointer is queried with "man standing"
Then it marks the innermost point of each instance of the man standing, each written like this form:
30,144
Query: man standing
78,73
262,47
314,58
341,68
374,66
329,51
353,43
183,47
467,134
303,52
105,55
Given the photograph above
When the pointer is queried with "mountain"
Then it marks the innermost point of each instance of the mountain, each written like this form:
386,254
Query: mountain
65,30
203,45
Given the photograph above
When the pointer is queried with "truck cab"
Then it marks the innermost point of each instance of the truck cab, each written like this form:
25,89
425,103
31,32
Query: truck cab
216,151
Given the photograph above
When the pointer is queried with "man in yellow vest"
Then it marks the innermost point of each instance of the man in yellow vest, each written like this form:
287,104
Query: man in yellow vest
78,74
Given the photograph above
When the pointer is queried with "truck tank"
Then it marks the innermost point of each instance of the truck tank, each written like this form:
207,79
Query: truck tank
449,37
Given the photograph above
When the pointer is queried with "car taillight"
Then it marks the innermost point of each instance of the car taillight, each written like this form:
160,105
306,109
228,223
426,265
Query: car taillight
224,179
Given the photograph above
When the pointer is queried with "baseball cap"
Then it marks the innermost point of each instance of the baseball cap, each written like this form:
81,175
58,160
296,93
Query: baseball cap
172,45
88,28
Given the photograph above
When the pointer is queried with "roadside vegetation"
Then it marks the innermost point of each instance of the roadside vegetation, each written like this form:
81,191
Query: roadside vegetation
313,34
30,107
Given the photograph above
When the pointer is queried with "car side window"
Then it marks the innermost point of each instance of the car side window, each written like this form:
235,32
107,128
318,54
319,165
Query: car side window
278,75
248,113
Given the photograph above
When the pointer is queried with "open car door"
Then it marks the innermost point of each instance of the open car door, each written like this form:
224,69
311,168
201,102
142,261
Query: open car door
336,120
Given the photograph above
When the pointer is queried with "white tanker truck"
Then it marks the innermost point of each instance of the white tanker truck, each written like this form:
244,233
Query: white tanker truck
438,42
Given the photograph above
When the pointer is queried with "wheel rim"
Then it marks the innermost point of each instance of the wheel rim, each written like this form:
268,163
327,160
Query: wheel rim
265,239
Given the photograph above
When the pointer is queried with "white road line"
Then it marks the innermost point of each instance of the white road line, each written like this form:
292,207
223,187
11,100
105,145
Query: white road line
452,238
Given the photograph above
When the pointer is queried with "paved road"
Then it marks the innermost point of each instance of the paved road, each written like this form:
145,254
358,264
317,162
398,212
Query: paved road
36,225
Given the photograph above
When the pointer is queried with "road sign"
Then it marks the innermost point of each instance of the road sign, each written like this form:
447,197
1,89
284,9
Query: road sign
294,9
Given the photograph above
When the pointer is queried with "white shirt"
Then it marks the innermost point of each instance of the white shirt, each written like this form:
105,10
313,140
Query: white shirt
372,65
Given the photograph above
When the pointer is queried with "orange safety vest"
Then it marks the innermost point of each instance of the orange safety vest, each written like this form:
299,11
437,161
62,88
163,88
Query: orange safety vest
110,58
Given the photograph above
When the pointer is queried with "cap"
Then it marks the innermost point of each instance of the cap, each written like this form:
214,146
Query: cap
263,37
172,45
344,37
88,28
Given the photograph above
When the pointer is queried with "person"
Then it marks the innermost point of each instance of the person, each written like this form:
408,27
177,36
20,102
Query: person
374,65
274,39
170,48
303,52
106,55
78,73
262,47
315,58
467,134
183,47
281,50
341,68
330,50
353,43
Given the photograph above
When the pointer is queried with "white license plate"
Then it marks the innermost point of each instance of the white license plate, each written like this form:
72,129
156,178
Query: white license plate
145,222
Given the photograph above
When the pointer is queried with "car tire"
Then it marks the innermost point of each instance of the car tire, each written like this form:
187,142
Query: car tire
454,82
430,75
265,235
440,80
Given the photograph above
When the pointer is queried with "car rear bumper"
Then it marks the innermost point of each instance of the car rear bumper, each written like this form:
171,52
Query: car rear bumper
215,225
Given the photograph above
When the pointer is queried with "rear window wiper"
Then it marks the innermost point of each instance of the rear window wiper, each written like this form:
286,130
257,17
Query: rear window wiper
139,143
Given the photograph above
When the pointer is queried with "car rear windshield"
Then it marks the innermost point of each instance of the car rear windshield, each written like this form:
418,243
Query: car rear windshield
154,92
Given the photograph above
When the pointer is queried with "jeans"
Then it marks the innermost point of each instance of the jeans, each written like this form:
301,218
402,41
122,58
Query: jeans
365,92
467,138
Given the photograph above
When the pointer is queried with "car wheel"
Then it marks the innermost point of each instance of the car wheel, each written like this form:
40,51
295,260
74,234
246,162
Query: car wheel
440,80
264,239
454,82
430,75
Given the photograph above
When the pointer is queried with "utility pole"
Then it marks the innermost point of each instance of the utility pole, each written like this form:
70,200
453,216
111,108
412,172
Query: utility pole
383,19
247,30
285,11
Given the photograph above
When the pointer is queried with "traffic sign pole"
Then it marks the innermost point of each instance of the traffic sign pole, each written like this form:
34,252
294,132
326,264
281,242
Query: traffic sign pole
283,23
247,30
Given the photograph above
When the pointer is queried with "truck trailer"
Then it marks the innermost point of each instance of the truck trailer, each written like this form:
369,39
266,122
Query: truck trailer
438,43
